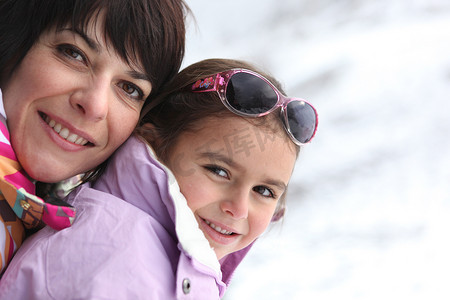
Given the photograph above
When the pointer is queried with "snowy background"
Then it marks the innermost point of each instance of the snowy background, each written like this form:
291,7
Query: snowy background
369,202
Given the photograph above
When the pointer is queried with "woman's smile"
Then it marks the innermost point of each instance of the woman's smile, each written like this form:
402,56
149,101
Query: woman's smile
65,133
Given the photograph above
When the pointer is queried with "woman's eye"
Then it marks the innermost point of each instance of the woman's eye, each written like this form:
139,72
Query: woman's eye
218,171
131,90
72,52
264,191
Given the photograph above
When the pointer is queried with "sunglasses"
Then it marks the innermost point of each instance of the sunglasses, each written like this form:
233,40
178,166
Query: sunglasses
249,94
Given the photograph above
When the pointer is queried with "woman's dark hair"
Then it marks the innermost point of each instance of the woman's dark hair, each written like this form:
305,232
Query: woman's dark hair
180,110
148,32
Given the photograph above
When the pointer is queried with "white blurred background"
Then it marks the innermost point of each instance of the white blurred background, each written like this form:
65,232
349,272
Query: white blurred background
369,202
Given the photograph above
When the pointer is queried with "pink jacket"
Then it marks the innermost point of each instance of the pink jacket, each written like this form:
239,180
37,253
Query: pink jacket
134,237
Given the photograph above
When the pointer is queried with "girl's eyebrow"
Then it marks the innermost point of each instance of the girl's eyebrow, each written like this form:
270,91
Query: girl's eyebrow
216,156
279,184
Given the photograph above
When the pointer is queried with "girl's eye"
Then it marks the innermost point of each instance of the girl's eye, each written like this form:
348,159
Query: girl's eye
218,171
264,191
132,90
72,52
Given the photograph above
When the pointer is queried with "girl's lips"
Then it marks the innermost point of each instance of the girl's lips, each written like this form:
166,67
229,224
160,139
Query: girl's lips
218,228
210,229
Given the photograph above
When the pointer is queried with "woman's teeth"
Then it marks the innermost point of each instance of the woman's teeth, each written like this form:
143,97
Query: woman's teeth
217,228
65,133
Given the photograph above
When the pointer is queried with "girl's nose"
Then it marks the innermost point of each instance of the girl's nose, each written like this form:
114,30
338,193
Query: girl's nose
92,100
236,205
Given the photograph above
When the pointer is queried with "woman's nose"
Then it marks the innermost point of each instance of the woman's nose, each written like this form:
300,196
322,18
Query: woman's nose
236,205
92,100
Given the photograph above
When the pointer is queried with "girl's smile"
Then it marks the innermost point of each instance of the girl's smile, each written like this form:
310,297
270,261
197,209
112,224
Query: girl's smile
218,233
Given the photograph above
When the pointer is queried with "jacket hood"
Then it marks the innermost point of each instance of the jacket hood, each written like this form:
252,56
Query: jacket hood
136,175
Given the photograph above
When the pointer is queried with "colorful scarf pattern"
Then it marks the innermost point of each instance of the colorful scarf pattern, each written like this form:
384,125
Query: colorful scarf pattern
20,208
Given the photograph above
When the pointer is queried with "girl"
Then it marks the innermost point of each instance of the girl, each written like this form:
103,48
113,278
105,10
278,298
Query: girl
74,76
143,231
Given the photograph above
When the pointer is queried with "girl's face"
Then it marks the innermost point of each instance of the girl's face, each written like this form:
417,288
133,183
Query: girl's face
232,174
71,102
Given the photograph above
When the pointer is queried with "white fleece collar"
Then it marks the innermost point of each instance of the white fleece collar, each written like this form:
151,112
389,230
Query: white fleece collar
190,237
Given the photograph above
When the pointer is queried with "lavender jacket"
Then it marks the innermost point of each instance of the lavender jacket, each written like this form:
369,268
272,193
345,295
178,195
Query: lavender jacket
134,237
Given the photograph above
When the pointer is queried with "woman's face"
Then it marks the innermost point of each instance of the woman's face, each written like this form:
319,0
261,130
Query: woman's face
71,102
232,174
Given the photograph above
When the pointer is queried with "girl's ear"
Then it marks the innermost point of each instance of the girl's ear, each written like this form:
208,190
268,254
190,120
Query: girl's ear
149,132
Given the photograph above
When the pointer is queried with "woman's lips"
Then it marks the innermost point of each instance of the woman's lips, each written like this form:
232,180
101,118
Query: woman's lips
64,132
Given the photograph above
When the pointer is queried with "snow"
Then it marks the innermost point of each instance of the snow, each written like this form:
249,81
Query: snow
369,201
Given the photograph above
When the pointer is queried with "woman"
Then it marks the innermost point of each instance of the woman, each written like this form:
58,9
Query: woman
74,76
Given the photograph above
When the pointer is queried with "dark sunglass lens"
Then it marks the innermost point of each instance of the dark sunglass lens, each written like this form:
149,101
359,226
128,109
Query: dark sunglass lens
302,120
250,94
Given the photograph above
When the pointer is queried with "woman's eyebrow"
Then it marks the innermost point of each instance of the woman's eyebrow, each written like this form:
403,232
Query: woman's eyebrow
89,41
96,47
138,75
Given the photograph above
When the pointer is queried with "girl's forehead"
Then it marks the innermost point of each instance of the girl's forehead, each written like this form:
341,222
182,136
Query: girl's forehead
241,136
269,128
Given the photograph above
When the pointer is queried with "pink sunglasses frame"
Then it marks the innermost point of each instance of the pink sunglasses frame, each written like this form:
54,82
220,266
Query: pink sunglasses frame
219,82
